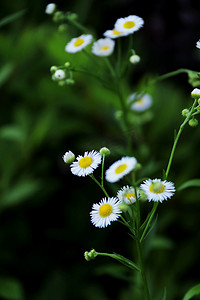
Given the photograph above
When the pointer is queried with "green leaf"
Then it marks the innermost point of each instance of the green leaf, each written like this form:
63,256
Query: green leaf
164,297
5,73
12,132
192,292
10,289
189,183
125,261
19,193
12,17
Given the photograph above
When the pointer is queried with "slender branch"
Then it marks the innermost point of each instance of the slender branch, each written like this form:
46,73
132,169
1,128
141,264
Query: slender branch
99,184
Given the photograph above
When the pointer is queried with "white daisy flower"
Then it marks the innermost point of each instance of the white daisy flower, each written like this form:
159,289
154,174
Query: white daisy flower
120,168
69,157
157,190
127,194
113,34
129,24
140,102
105,212
103,47
50,8
78,43
86,164
198,44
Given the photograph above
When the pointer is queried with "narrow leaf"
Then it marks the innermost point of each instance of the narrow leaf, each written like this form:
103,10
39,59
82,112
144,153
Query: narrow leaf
189,183
192,292
127,262
164,297
12,17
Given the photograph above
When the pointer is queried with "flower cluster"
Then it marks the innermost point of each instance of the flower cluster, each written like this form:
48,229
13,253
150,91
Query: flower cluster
110,208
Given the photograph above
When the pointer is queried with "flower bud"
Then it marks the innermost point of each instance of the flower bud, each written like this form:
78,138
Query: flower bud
196,93
70,81
62,28
58,16
69,157
123,207
73,17
53,69
62,83
118,115
67,64
90,255
104,151
193,122
50,8
185,112
59,75
134,59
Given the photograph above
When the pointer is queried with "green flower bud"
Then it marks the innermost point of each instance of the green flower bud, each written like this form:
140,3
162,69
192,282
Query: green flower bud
58,16
185,112
138,167
67,64
70,81
53,69
73,17
62,83
90,255
62,28
193,122
118,114
69,157
134,59
104,151
123,207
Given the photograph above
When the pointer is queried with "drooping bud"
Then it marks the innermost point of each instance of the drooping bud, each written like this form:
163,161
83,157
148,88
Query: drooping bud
134,59
193,122
185,112
90,255
59,75
196,93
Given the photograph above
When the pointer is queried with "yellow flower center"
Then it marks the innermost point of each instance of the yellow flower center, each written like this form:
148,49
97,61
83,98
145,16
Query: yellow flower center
116,32
78,42
105,210
129,195
140,101
120,168
157,187
129,24
104,48
85,162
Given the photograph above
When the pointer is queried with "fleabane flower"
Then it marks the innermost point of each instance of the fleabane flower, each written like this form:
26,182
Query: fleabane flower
78,43
104,212
68,157
157,190
140,102
198,44
113,34
59,75
129,24
103,47
127,194
120,168
50,8
85,165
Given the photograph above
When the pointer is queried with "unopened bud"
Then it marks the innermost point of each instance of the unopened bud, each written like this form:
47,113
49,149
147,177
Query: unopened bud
134,59
53,69
67,64
62,28
60,74
70,81
104,151
50,8
69,157
185,112
90,255
196,93
58,16
193,122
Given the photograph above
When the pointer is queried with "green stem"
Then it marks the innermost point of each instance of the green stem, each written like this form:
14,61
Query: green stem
102,169
110,67
99,184
77,25
142,271
177,138
171,74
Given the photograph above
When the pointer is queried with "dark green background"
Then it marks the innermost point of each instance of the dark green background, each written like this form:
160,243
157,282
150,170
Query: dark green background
44,209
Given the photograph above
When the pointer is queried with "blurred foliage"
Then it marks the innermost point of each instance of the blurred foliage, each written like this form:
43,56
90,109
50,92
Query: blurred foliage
44,209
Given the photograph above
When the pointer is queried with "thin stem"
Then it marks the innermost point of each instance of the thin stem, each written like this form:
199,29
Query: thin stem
110,67
142,271
77,25
99,184
177,138
102,169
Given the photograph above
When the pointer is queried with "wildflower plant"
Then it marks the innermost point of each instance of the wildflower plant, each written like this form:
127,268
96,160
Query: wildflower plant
126,206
